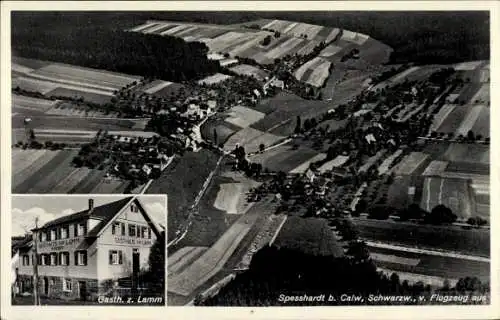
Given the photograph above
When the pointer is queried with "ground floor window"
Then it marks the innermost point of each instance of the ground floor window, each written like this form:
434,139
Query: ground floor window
67,285
115,257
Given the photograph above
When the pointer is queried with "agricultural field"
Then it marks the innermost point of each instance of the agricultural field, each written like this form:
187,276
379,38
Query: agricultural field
56,79
411,163
287,159
453,193
427,264
75,110
251,139
243,117
44,171
334,163
310,235
245,69
28,105
314,72
182,181
214,79
456,239
214,258
182,258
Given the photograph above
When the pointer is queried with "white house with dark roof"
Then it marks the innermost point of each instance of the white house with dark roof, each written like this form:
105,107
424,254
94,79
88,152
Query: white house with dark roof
89,253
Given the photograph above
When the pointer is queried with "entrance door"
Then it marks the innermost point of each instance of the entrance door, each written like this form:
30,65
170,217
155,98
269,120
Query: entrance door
45,286
82,290
135,270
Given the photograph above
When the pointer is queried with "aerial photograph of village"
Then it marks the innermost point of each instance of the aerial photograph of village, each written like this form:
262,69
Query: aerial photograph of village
308,158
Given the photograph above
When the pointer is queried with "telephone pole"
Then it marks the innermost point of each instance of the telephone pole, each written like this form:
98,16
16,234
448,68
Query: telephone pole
35,264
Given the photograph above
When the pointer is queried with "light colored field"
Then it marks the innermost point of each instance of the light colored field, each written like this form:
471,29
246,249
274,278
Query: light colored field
311,64
225,40
394,259
435,168
330,51
402,75
109,185
213,79
175,29
143,26
482,95
250,139
182,257
270,24
335,163
19,68
243,116
484,75
355,37
21,175
88,76
21,159
290,27
212,260
319,75
33,85
442,114
333,34
245,69
284,48
252,41
470,65
135,134
386,164
229,61
32,103
453,193
70,181
228,197
304,166
158,87
410,163
156,27
469,121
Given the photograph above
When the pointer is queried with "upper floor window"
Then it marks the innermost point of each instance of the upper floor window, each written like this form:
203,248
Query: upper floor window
53,234
44,259
115,227
80,258
26,260
64,232
43,236
131,230
53,259
144,232
80,229
123,229
134,208
149,233
64,258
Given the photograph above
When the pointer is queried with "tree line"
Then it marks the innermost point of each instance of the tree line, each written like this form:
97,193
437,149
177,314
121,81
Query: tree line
100,47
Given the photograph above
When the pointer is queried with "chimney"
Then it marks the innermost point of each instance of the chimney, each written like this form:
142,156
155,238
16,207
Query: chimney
91,205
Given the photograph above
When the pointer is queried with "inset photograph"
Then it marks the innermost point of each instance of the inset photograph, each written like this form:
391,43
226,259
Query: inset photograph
93,249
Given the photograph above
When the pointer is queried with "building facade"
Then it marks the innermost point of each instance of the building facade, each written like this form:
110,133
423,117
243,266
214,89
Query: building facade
95,252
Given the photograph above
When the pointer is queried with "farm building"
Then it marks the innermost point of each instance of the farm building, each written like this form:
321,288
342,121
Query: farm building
89,253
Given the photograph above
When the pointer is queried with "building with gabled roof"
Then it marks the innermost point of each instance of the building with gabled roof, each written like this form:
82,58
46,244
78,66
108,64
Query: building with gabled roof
90,253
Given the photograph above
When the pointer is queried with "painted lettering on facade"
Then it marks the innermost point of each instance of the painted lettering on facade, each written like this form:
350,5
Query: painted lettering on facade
133,241
59,245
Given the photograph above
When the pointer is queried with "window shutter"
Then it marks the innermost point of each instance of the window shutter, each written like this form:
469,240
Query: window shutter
76,258
149,233
120,257
85,258
75,230
110,257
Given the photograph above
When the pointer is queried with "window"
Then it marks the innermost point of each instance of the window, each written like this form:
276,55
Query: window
149,233
26,260
64,258
80,258
44,259
131,230
64,232
43,236
134,208
53,234
115,227
115,257
144,232
80,229
53,259
123,229
67,285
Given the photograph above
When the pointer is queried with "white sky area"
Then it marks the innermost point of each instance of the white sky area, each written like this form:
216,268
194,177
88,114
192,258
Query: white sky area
26,208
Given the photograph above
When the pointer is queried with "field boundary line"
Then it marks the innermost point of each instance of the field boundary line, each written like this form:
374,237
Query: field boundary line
278,231
427,251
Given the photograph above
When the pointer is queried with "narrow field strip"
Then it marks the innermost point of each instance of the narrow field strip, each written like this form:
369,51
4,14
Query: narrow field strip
427,251
71,180
469,120
415,277
158,87
394,259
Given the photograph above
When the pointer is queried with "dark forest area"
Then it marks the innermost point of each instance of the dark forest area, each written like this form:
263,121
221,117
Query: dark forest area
99,43
422,37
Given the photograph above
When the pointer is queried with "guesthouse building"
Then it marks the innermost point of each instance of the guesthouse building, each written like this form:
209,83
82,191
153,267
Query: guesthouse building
90,253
